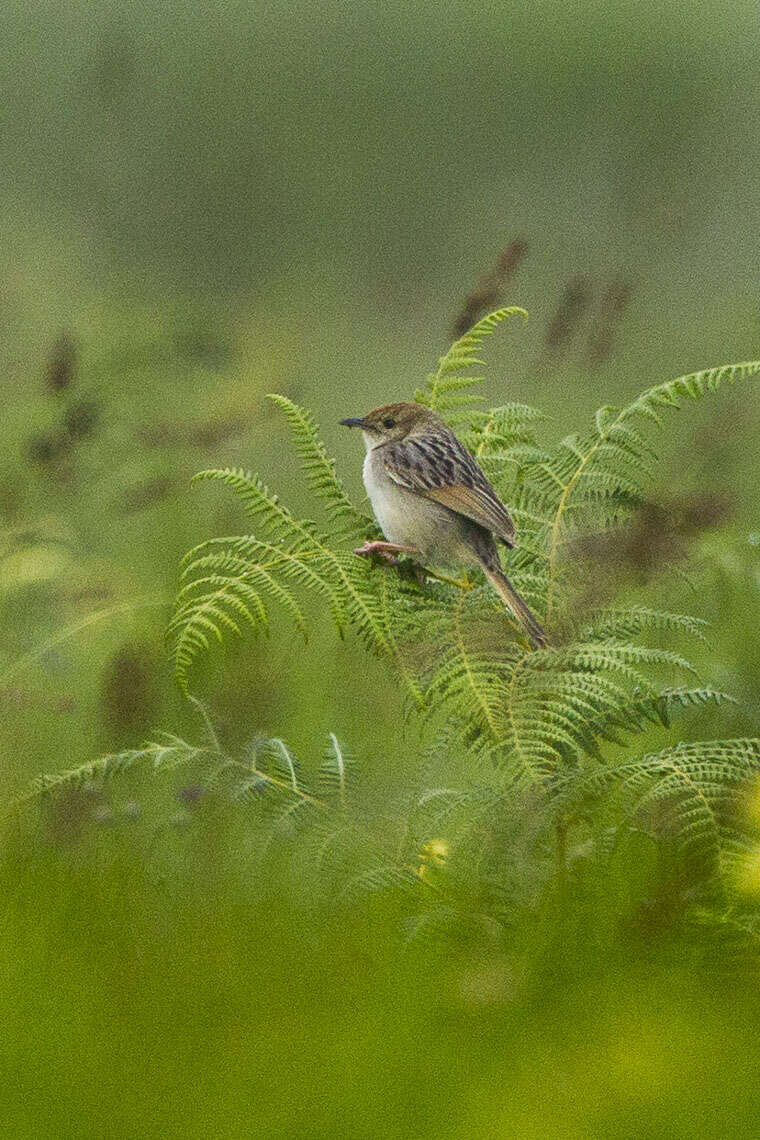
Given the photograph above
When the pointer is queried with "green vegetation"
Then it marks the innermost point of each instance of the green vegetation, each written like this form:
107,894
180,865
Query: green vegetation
523,834
519,725
293,845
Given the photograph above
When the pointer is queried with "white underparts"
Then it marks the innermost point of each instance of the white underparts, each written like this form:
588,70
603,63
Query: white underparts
409,519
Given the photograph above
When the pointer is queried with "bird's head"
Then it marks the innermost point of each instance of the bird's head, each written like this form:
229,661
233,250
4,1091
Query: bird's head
392,422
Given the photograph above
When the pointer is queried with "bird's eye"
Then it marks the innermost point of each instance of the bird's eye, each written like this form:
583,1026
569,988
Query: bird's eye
389,422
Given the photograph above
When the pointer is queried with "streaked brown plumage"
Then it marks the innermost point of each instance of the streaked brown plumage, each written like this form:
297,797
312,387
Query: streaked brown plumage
431,499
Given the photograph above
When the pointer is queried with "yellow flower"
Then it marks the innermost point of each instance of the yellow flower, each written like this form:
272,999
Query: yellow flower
434,853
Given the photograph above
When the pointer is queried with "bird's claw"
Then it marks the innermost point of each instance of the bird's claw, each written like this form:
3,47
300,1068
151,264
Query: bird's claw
386,551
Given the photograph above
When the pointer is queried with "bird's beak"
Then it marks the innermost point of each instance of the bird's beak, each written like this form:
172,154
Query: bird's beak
353,422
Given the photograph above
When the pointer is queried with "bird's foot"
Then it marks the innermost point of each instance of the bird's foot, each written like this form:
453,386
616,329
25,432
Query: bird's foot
387,551
463,583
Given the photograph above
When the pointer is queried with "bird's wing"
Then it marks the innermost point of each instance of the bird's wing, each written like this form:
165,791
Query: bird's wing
438,467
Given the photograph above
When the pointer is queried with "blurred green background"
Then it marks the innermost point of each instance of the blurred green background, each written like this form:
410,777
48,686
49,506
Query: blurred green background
204,203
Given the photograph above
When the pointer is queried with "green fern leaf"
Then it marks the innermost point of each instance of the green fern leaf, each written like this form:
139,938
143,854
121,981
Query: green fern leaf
320,471
444,389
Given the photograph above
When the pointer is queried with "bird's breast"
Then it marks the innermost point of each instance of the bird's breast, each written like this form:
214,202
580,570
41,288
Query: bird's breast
387,500
412,520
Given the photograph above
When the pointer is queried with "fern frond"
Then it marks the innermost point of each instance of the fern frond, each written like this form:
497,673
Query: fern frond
613,623
336,771
227,583
321,476
694,786
606,457
692,386
263,506
283,763
444,389
640,710
621,657
168,754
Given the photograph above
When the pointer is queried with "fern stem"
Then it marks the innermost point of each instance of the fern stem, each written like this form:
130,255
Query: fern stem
284,785
463,583
207,722
484,437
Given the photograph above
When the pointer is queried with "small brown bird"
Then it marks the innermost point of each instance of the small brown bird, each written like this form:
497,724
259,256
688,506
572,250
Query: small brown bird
432,500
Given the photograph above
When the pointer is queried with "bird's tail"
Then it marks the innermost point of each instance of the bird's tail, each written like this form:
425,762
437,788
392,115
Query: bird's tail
518,606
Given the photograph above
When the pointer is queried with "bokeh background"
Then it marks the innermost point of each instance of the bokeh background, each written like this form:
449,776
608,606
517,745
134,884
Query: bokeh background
204,203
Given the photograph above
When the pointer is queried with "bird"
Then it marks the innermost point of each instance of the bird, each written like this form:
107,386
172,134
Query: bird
432,500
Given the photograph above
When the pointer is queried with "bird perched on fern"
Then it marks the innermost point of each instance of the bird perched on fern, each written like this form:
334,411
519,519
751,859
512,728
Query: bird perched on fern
432,500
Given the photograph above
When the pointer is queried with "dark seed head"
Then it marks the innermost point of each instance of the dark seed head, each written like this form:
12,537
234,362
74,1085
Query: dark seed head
47,447
81,419
61,364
